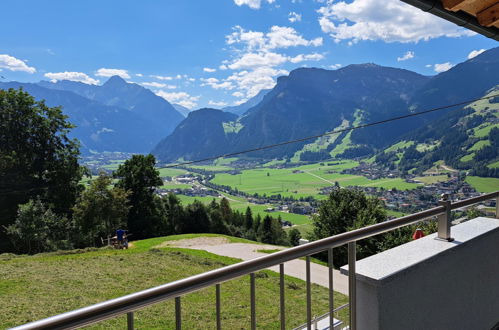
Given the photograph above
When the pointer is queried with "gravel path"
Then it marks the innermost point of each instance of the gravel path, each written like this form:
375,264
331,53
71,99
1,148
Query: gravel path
246,251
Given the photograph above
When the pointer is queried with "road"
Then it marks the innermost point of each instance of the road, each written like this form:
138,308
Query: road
245,251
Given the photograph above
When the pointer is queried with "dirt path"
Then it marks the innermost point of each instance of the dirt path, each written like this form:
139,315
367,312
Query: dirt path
312,174
246,251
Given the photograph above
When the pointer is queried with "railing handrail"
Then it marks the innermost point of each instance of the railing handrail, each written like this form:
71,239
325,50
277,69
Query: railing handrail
134,301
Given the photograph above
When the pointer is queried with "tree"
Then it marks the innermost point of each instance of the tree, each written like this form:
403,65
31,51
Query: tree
100,210
139,176
294,237
37,158
38,229
248,219
345,210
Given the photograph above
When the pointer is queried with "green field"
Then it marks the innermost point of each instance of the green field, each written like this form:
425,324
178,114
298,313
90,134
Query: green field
481,132
483,185
39,286
302,181
479,145
400,145
170,172
176,186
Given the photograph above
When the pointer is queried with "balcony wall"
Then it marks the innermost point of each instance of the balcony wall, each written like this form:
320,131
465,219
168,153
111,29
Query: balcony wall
433,284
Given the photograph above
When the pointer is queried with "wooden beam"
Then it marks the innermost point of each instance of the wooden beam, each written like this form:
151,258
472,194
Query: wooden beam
456,5
490,16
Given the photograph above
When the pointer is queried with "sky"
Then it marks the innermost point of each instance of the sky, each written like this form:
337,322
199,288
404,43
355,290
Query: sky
217,53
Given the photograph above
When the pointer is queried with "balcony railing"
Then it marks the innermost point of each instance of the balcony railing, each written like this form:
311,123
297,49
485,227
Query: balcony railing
175,290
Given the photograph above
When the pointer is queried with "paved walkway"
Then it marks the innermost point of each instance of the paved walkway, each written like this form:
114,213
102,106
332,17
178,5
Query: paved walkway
245,251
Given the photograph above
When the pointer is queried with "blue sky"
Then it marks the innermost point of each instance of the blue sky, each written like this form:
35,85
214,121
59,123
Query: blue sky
201,53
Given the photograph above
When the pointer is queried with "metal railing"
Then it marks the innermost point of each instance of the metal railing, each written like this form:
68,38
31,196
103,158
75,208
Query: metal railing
132,302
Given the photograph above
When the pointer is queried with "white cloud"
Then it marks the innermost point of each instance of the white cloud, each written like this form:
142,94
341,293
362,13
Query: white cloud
407,56
394,22
306,57
104,72
161,77
257,59
182,98
158,85
216,84
14,64
475,53
253,4
442,67
73,76
140,75
335,66
209,70
294,17
277,37
217,104
251,82
428,65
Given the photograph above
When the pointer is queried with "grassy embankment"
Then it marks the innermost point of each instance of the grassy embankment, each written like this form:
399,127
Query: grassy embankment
34,287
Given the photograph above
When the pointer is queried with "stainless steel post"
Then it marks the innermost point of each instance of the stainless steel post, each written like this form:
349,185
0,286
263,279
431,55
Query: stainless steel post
281,292
129,320
178,314
218,307
331,291
252,301
309,295
444,219
352,291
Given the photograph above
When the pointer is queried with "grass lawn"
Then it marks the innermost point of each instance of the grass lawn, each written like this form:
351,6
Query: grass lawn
483,185
34,287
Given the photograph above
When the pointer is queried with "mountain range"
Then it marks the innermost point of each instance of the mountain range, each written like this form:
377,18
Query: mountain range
116,116
311,101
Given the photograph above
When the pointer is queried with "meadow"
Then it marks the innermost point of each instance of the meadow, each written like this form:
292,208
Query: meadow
483,185
302,181
34,287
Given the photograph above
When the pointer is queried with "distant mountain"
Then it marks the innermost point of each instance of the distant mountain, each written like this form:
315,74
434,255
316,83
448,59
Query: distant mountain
242,108
201,134
313,101
181,109
117,92
114,117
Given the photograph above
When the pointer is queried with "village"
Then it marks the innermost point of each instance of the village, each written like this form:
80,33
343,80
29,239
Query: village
401,201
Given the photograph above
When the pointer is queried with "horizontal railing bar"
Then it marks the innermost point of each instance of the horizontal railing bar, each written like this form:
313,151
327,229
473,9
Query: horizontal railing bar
137,300
474,200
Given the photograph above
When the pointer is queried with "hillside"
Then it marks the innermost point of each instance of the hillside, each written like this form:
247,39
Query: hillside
200,135
466,139
313,101
43,285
